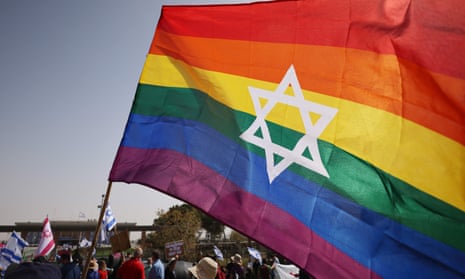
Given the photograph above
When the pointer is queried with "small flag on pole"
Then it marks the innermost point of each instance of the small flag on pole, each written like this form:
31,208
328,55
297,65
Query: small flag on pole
218,253
109,220
254,253
13,250
46,243
85,243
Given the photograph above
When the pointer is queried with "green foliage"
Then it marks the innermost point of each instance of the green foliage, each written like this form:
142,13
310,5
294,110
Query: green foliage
180,222
214,228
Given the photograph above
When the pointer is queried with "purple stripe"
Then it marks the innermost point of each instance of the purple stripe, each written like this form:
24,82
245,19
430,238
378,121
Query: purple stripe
189,180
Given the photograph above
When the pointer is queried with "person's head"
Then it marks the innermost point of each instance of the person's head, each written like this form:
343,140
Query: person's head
102,265
66,258
206,268
155,255
237,259
138,253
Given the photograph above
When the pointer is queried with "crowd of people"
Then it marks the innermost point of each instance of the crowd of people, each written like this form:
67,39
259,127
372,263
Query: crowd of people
133,267
119,267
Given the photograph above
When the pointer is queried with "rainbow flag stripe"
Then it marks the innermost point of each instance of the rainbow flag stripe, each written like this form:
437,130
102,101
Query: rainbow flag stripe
331,132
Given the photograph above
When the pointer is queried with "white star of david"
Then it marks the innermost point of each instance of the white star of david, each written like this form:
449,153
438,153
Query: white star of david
307,141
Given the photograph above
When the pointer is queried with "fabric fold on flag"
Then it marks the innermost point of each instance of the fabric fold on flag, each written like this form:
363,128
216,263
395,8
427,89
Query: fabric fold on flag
108,223
84,243
287,271
109,220
218,253
255,254
334,131
12,252
47,242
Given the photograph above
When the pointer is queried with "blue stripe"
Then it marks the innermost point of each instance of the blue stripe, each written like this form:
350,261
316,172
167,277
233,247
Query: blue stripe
20,242
375,241
11,256
109,220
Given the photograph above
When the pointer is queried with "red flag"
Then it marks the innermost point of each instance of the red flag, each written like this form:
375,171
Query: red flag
47,243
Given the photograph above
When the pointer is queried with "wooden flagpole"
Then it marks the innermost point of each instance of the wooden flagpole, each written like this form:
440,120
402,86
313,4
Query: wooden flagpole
97,231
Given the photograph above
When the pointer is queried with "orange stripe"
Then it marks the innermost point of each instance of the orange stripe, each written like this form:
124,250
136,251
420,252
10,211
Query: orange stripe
382,81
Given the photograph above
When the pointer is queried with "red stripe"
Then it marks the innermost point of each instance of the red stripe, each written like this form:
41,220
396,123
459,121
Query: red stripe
264,222
428,33
47,248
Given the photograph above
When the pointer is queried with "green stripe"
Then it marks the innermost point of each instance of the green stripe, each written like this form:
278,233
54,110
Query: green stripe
351,177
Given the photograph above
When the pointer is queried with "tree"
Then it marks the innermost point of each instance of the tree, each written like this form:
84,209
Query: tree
180,222
213,227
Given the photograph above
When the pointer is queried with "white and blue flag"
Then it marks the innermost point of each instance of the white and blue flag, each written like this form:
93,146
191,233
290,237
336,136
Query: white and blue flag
254,253
218,253
13,250
85,243
109,220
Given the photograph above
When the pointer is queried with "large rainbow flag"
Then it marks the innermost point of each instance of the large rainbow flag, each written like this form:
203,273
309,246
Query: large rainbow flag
332,132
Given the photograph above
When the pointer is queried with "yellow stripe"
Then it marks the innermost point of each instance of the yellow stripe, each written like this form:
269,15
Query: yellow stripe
425,159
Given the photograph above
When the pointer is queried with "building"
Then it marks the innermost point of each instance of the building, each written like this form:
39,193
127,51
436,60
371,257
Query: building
68,232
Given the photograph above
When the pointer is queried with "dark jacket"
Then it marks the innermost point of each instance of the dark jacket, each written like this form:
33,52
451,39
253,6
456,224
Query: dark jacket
70,271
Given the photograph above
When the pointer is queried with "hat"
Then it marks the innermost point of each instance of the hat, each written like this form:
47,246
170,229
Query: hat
205,269
237,258
173,259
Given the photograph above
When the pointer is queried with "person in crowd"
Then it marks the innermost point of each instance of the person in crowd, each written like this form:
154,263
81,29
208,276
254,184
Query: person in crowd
220,274
148,267
206,268
34,270
102,269
132,268
114,262
92,273
169,271
264,271
158,269
274,261
77,259
69,269
235,270
255,267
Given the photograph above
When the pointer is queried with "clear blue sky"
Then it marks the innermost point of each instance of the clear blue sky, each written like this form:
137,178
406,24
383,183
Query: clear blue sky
68,74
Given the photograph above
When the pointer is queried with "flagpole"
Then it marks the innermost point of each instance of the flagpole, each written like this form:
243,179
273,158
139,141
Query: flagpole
97,230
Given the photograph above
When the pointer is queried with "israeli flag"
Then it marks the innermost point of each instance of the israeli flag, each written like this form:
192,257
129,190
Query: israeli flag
218,253
85,243
109,221
254,253
13,251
